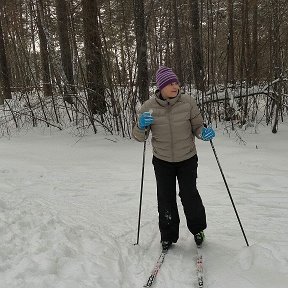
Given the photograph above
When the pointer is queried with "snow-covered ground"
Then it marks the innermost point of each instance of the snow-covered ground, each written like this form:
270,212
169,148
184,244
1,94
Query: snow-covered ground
69,211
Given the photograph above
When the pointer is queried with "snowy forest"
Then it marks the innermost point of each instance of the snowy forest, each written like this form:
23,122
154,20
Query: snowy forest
88,63
73,75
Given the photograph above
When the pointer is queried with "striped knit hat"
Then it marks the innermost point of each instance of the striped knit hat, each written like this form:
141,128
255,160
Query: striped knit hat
164,77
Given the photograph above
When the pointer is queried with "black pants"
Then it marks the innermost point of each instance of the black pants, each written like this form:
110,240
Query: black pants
186,174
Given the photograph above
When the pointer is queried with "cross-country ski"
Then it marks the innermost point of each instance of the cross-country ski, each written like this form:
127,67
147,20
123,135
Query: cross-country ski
200,268
156,268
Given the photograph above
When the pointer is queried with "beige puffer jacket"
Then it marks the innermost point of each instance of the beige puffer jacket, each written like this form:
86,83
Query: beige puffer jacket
176,123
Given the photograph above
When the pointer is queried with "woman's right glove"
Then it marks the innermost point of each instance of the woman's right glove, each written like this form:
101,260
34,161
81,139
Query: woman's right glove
207,133
145,120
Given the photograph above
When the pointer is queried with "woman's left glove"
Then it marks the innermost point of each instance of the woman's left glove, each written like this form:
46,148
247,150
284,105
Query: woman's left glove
207,133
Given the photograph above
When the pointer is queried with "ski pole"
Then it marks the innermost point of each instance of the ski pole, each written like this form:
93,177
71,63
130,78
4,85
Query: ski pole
237,215
141,189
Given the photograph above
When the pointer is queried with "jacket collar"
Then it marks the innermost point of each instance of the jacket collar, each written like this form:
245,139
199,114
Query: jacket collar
166,102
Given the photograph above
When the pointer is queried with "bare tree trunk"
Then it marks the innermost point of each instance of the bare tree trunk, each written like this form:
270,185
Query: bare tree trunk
178,54
230,66
4,73
277,67
244,60
46,78
230,44
65,49
93,54
254,53
33,30
197,52
209,42
141,47
168,33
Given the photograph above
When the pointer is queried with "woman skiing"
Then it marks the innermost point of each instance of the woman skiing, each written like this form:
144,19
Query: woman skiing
174,121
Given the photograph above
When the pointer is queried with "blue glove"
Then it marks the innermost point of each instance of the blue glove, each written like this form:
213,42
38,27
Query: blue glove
145,120
207,133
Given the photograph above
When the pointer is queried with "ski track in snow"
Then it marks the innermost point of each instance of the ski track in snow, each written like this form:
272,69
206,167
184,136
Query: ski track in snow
69,208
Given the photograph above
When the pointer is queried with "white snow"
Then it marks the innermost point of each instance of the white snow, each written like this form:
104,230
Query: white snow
69,212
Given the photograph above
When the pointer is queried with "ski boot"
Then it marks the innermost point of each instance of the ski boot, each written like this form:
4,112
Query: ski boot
166,244
199,238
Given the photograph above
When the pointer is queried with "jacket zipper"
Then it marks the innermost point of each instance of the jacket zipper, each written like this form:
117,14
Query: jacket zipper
171,133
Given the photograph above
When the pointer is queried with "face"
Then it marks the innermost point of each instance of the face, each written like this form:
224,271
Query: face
170,90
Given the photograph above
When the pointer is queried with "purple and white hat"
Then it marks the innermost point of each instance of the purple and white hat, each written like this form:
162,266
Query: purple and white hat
164,77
